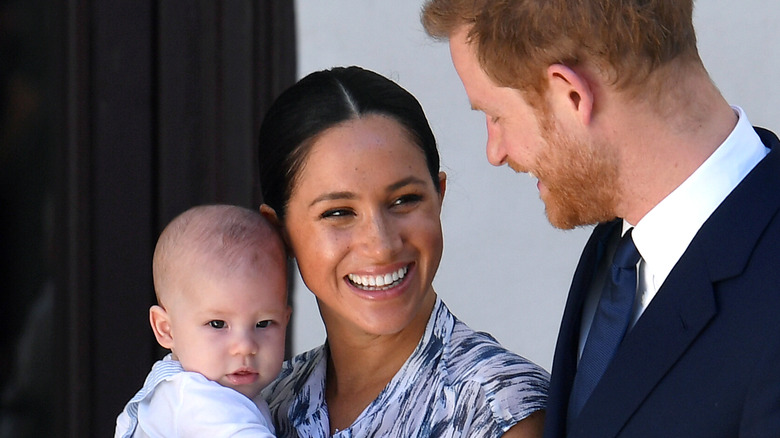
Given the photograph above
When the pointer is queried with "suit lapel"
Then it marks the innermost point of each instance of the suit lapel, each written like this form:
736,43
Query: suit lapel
677,315
686,302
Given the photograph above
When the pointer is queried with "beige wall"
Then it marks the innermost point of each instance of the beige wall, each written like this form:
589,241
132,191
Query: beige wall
505,269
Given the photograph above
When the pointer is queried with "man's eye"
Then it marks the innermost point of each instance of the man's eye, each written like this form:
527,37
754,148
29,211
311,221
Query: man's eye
264,324
217,324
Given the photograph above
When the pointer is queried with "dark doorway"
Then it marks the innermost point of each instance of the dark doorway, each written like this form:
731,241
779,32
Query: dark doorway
115,115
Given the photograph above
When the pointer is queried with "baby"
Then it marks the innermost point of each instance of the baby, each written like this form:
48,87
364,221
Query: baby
221,283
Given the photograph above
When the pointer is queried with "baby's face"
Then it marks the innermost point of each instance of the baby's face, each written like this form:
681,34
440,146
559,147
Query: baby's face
232,329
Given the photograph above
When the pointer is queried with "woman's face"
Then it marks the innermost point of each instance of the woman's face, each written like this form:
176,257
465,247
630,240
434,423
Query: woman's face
363,223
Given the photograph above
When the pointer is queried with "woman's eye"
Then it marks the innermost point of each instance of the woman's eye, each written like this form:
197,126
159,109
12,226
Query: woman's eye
336,213
217,324
264,324
407,199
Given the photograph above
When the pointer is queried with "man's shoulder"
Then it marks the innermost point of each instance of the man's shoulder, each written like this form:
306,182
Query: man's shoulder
767,137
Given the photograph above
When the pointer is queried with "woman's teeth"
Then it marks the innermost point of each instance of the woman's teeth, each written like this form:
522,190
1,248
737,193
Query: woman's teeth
375,282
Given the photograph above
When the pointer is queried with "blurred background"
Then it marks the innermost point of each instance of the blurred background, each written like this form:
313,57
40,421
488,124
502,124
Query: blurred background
116,115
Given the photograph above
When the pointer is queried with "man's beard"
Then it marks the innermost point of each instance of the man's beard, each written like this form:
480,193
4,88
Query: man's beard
580,178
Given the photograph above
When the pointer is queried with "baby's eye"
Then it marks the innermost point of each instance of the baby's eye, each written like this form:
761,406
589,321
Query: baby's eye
264,324
217,324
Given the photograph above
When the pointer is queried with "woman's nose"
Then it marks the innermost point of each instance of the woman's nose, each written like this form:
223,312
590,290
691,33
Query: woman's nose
380,236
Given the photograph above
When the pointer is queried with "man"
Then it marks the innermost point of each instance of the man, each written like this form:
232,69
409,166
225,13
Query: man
609,106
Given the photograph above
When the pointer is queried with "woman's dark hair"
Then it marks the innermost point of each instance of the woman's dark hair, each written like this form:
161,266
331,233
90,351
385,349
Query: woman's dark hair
321,101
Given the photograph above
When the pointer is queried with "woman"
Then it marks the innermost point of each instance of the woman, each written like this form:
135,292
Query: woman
350,170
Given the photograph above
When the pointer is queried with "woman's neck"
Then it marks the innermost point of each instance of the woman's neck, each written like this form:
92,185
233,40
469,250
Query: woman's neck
360,365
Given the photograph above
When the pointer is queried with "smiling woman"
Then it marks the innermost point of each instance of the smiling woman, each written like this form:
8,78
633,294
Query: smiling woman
350,171
349,217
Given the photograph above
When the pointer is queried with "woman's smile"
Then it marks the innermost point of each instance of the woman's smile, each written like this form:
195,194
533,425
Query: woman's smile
378,282
382,287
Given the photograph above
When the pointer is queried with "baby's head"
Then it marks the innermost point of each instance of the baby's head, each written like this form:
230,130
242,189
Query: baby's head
221,283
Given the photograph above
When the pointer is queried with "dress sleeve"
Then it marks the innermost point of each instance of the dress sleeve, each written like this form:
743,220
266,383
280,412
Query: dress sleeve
199,407
506,391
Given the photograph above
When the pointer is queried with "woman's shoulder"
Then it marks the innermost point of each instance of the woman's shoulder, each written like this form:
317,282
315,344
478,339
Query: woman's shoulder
294,374
478,356
303,361
502,386
299,391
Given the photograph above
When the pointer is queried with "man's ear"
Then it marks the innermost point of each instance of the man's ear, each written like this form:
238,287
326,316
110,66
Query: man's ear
570,92
269,213
161,326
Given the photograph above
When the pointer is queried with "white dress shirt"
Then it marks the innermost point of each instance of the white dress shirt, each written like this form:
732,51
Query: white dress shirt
664,233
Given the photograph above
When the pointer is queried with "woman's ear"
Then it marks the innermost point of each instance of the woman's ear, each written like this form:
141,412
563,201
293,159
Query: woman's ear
161,326
571,92
442,186
269,213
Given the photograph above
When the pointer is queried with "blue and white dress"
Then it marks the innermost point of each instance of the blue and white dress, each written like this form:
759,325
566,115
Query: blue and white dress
456,383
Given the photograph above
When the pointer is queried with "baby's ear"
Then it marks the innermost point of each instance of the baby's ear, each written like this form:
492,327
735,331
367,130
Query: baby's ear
161,326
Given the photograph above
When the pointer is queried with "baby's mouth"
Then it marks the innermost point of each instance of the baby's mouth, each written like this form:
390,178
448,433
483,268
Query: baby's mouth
378,282
243,377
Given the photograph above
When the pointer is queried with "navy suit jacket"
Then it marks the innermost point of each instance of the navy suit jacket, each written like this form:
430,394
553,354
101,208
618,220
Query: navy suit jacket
704,358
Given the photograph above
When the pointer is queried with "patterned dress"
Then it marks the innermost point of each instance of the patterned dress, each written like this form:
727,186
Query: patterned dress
456,383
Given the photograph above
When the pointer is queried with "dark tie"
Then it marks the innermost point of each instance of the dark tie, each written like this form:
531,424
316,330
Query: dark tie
610,323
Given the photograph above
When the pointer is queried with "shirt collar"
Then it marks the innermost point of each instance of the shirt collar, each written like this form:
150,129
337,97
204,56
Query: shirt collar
665,232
